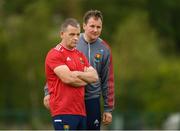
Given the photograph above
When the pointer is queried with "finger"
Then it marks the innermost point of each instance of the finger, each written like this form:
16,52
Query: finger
107,120
105,123
104,118
46,103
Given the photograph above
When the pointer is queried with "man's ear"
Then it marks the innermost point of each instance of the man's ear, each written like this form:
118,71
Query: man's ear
84,25
61,33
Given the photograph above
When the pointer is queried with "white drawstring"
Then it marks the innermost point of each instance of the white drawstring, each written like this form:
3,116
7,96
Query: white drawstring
89,53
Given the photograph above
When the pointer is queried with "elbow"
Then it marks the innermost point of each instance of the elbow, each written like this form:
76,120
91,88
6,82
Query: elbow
95,79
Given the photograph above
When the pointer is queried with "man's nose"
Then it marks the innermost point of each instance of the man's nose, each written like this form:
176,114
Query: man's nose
95,29
76,37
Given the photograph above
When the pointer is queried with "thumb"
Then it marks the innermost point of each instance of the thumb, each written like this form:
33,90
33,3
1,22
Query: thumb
104,117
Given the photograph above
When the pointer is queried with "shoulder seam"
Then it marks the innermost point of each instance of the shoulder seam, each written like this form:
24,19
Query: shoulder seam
58,47
106,44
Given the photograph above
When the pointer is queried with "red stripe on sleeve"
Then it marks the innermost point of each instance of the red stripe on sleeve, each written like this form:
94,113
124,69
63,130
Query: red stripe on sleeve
111,99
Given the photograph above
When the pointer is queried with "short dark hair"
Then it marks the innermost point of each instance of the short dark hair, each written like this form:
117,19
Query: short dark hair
92,13
69,21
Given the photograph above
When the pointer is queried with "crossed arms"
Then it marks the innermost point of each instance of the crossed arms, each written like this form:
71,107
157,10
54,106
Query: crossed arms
76,78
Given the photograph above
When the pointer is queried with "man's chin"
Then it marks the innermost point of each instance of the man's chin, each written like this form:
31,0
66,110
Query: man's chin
95,37
74,46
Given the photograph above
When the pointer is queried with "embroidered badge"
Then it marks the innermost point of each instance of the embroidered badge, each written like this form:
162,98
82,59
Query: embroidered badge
81,60
97,57
66,127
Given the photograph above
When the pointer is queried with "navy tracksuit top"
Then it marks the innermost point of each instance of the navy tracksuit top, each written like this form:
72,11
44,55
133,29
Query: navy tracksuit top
99,56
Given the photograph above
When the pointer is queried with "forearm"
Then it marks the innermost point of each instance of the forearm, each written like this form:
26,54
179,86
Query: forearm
69,77
73,80
107,82
108,95
76,82
89,77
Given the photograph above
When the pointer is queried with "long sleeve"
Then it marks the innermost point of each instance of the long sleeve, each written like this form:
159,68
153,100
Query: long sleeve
107,81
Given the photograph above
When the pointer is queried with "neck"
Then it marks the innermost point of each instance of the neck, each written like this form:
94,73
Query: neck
87,39
66,47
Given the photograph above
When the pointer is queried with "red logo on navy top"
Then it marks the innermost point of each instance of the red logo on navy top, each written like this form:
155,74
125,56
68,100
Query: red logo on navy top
97,57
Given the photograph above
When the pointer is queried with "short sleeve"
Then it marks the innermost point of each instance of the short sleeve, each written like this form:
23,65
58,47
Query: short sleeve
54,59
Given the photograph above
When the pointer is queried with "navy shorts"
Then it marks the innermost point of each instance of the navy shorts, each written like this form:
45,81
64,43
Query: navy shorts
69,122
93,112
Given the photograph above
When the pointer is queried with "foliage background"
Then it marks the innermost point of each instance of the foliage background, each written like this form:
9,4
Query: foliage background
145,39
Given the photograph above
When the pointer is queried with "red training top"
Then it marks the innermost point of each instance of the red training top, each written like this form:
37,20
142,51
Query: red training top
65,99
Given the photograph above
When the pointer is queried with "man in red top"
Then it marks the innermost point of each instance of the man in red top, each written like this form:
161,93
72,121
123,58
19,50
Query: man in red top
67,72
